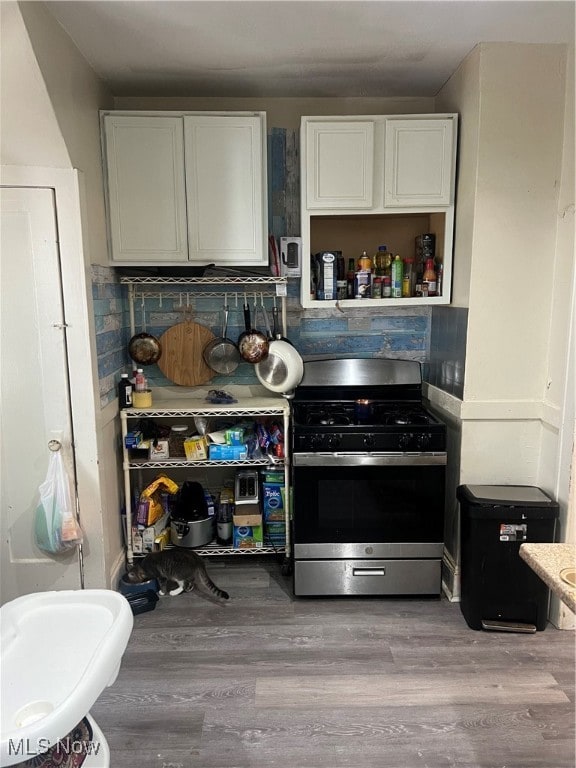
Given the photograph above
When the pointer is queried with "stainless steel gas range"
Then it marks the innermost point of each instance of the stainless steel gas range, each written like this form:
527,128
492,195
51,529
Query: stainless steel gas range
368,475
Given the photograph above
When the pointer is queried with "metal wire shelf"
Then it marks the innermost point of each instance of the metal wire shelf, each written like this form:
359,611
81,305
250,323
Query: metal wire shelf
201,281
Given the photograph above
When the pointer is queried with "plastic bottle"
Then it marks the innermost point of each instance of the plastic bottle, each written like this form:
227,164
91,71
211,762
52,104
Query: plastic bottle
382,261
140,381
429,278
124,391
397,274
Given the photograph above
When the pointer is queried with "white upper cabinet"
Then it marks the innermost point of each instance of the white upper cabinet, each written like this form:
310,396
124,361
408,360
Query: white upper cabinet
146,189
340,164
186,187
369,180
225,192
418,162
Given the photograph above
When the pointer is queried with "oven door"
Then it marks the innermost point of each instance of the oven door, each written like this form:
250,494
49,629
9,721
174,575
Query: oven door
368,505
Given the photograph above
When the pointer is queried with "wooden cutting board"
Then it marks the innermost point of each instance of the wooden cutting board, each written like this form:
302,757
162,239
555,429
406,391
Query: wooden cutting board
181,360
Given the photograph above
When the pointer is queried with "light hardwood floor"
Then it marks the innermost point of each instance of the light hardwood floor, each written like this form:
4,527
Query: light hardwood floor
271,680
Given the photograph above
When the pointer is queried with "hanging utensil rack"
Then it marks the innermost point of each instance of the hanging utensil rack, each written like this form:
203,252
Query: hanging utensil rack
262,287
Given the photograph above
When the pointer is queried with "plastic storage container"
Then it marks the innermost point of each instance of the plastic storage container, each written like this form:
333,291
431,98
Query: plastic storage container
499,591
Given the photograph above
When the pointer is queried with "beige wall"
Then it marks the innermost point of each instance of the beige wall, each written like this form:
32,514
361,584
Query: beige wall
514,219
76,95
29,134
462,94
519,171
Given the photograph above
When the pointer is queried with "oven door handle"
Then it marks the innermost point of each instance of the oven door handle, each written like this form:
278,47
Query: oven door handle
368,571
375,459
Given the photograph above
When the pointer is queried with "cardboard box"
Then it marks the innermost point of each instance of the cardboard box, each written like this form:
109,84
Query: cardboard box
218,452
144,539
196,448
273,502
249,519
291,256
248,537
133,439
158,451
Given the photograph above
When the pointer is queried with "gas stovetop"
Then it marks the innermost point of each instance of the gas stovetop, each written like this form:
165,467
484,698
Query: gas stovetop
362,411
358,405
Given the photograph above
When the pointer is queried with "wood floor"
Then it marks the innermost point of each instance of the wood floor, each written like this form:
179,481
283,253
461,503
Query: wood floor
271,680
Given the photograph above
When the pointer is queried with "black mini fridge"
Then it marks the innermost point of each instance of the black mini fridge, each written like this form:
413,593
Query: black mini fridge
499,591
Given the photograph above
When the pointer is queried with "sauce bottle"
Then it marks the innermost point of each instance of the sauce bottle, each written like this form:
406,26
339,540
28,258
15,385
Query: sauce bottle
408,280
350,280
429,279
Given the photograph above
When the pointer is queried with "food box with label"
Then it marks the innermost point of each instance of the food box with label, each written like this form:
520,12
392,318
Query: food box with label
196,448
144,539
273,502
275,533
218,452
248,532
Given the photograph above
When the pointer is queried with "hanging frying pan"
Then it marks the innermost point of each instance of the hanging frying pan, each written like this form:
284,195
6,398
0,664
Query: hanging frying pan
222,354
252,344
144,348
182,360
282,370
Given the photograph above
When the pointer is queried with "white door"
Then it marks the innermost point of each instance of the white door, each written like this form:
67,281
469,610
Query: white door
145,188
226,189
339,164
34,395
419,162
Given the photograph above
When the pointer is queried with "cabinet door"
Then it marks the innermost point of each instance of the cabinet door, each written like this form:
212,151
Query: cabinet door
145,185
418,163
225,188
339,164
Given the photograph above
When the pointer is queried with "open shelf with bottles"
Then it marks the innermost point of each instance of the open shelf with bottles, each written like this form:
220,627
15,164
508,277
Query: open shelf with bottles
354,233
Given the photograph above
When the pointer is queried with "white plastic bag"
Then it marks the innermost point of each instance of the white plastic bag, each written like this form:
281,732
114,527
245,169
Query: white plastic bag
56,528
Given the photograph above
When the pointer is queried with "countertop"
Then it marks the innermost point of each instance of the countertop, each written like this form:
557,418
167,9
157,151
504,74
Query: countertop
548,560
248,398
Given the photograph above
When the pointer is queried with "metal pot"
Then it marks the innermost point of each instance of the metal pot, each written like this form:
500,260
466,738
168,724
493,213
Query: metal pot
283,368
252,344
222,355
192,533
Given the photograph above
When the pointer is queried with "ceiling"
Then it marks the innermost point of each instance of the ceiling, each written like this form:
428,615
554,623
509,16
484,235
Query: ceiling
297,48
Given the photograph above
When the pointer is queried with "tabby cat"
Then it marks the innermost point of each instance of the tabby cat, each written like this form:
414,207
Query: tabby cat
177,570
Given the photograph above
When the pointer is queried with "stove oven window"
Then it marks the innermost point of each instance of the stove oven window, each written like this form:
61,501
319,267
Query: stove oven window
358,504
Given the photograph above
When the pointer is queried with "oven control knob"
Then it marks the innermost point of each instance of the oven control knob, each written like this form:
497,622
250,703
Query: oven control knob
334,441
405,440
316,441
369,441
423,440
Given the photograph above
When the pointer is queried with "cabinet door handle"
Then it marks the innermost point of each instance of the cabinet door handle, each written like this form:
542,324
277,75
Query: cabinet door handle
368,571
